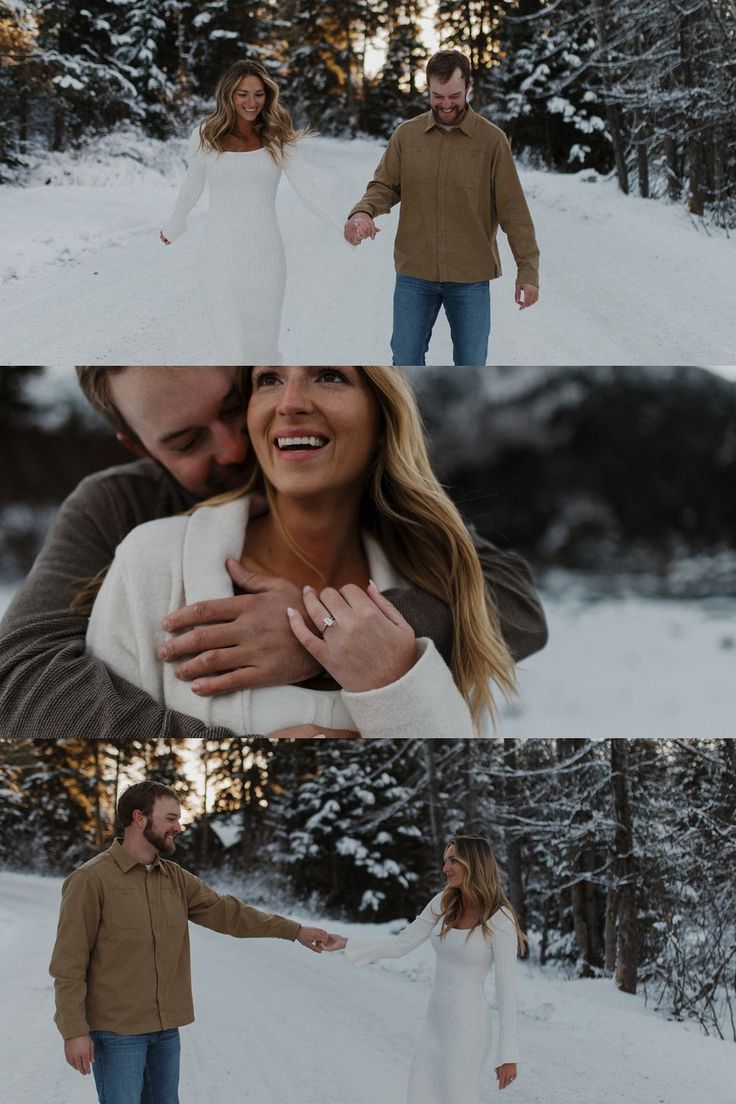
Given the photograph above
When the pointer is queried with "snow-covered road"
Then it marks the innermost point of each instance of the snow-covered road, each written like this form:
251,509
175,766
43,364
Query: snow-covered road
277,1024
85,280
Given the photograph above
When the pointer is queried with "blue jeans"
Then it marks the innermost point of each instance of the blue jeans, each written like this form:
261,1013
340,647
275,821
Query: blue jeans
416,306
137,1069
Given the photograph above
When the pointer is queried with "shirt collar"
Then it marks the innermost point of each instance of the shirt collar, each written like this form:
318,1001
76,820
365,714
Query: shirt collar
126,861
467,126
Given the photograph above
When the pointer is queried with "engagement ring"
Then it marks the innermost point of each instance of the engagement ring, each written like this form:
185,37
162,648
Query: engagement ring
327,623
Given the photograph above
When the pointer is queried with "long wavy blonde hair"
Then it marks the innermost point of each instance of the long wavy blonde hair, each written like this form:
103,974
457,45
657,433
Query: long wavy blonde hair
424,537
481,886
273,126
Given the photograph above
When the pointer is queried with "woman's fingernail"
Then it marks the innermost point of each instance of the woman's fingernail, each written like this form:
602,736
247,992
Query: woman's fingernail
166,624
290,611
306,590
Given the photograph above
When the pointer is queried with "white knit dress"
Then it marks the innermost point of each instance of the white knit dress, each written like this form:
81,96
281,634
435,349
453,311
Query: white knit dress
455,1040
241,266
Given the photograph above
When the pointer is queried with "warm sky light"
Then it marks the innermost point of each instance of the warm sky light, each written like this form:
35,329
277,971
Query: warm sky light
376,49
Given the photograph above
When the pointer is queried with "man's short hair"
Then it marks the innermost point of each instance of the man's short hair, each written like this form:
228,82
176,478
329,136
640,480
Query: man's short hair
141,796
95,383
444,63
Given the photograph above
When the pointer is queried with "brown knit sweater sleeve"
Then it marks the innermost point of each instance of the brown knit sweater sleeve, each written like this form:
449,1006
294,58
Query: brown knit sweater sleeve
510,587
49,686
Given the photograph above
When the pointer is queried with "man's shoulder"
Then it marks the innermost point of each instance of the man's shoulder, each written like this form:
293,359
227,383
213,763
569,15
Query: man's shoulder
138,481
90,870
411,127
488,132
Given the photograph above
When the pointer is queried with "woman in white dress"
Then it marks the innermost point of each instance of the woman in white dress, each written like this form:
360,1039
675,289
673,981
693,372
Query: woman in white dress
343,504
240,152
472,927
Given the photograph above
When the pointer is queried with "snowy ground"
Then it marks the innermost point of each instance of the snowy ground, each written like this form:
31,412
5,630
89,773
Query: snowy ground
278,1024
85,280
623,667
629,667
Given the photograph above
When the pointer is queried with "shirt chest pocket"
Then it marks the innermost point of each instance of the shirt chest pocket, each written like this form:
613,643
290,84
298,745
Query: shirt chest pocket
128,909
418,167
467,169
175,910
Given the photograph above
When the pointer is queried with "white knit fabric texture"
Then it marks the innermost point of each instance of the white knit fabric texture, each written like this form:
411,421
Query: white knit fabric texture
241,266
455,1039
173,562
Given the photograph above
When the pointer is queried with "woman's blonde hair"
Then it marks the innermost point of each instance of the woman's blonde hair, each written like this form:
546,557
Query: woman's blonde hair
481,887
273,126
424,537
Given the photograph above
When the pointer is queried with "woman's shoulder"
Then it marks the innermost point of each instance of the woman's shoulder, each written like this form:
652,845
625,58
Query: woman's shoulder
156,540
503,920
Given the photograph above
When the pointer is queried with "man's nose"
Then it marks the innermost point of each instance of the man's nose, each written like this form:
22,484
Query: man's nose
231,444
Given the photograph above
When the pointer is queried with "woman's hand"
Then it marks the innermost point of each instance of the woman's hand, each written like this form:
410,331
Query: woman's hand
163,239
334,942
365,642
505,1073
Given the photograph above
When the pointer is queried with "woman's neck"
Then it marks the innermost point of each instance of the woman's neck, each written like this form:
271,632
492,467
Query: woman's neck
327,535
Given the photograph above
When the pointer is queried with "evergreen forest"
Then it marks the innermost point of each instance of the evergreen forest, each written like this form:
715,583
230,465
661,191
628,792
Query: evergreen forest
618,856
640,89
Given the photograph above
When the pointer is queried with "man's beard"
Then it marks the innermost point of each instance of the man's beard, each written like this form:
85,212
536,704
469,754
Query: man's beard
450,120
165,844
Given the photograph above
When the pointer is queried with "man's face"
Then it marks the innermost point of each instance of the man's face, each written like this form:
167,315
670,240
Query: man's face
192,420
448,99
163,825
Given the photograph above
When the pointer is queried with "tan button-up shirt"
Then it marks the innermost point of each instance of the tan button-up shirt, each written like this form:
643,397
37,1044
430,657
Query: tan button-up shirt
121,958
456,187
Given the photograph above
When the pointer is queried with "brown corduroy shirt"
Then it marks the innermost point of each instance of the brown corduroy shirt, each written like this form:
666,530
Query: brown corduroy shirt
456,187
121,958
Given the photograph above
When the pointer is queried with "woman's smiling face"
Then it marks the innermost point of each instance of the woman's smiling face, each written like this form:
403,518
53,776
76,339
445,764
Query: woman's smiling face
313,430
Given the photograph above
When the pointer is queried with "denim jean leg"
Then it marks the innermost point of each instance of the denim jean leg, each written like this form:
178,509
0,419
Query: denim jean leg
118,1067
416,306
161,1076
468,310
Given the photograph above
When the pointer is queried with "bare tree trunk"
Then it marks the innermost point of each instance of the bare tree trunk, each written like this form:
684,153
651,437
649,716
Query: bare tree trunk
514,850
613,117
436,825
611,934
628,928
204,825
99,834
674,173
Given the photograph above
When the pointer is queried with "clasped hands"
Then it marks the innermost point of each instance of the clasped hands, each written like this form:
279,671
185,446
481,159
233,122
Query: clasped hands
250,640
360,226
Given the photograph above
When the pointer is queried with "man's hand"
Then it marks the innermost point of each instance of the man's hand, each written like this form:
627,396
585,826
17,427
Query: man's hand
526,295
359,226
80,1052
313,938
241,642
506,1074
368,644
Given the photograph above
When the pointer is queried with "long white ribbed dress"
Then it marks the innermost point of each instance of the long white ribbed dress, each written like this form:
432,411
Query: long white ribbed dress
241,265
456,1037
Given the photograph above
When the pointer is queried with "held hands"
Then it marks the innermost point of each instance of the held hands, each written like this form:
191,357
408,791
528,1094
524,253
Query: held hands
505,1073
334,943
365,644
241,642
313,938
80,1052
525,295
360,226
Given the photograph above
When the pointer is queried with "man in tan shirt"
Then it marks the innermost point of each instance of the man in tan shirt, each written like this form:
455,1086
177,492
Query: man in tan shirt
121,959
453,173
